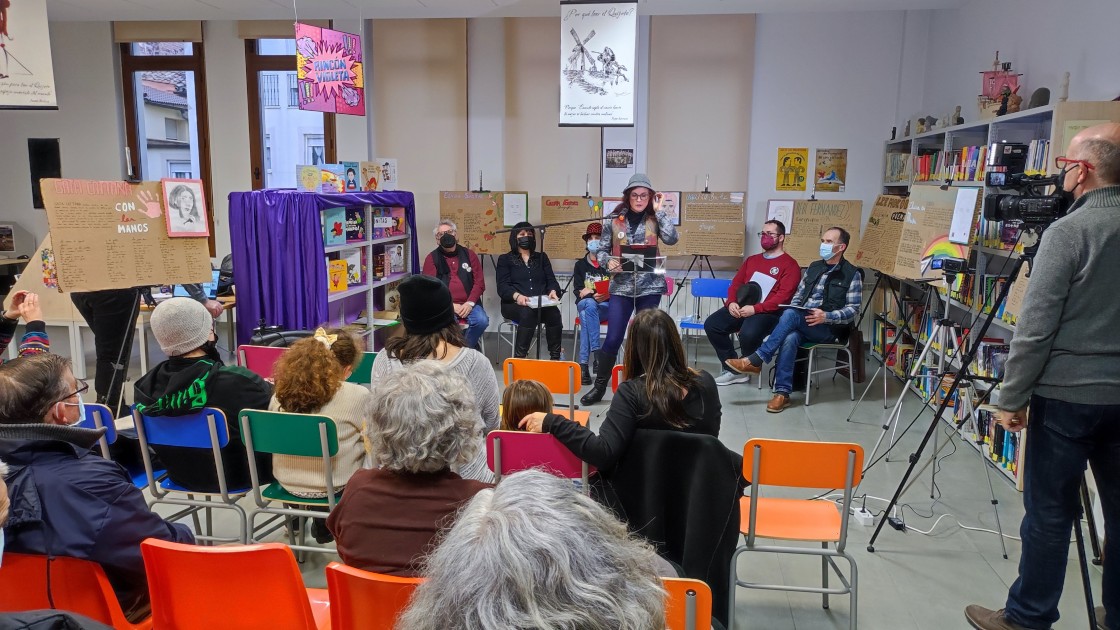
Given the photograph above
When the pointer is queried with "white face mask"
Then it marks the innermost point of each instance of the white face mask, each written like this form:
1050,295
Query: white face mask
81,411
826,251
1,546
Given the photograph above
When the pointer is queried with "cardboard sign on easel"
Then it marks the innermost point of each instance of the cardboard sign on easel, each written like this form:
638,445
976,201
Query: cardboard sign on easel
811,218
478,216
565,242
878,245
113,235
38,277
712,224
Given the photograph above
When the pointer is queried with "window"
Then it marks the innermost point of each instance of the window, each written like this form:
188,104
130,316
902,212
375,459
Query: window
293,90
179,170
270,89
170,129
313,150
268,152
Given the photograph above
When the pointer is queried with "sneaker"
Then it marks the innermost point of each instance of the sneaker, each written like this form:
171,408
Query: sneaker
778,403
727,377
984,619
743,366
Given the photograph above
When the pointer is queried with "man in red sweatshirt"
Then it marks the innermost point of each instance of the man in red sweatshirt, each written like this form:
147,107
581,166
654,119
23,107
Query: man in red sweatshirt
461,271
777,274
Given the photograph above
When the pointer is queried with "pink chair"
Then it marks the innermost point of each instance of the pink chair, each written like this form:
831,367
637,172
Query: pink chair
259,359
508,452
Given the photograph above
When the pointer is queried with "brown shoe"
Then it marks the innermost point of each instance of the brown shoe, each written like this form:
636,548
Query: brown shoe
984,619
778,403
743,366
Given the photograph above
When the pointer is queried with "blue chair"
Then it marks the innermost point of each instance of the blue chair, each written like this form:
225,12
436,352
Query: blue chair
703,289
100,416
205,429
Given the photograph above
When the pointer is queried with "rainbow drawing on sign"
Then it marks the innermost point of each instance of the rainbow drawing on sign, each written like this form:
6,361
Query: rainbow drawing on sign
941,248
329,71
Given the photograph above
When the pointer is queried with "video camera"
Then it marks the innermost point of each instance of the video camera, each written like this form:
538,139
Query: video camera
949,265
1030,205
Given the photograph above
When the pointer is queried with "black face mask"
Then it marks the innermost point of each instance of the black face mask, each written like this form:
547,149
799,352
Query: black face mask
447,241
211,350
527,242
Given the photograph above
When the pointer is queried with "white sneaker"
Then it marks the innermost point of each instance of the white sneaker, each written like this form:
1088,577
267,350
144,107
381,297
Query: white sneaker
728,377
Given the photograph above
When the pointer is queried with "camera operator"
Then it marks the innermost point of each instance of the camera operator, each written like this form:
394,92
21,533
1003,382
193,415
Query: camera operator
1065,361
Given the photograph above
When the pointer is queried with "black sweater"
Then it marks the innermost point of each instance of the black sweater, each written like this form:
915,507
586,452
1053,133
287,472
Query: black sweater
515,276
624,417
584,276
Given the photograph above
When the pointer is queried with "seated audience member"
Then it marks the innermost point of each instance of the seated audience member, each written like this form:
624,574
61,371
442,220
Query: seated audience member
523,274
423,424
194,377
311,378
65,499
430,332
832,291
460,270
25,306
592,306
534,552
522,398
661,392
752,322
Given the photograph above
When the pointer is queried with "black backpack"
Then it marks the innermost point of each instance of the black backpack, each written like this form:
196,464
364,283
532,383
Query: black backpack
225,277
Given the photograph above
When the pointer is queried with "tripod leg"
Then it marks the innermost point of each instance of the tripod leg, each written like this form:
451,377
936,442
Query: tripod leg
1084,563
1091,521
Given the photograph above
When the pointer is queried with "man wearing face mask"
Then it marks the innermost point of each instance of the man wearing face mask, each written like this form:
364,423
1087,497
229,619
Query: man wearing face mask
592,306
65,499
460,270
523,275
194,377
830,294
780,273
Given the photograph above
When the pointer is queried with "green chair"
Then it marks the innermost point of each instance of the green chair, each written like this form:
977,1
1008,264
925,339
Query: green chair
298,434
362,373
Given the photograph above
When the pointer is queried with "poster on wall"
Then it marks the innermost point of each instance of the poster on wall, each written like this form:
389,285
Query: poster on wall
329,71
831,170
26,71
793,164
186,208
598,45
780,210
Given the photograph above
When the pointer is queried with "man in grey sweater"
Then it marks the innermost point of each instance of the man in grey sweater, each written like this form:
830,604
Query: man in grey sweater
1065,365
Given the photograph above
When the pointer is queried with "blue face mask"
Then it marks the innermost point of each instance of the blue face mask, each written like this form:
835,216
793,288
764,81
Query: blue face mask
593,245
81,411
826,251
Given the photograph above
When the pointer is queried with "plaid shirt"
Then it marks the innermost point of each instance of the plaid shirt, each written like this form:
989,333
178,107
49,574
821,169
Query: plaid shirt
854,298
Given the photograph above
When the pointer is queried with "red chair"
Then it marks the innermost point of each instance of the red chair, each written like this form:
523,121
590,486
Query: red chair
259,359
77,586
508,452
618,374
365,600
249,587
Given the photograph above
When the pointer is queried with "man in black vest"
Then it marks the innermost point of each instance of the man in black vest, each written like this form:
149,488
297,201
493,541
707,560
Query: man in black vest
827,299
459,269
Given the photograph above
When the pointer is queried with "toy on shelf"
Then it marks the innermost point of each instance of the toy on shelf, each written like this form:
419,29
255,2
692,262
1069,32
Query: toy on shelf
996,82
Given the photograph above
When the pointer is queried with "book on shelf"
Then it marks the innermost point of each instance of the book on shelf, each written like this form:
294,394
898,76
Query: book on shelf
968,164
1038,157
396,258
1002,446
351,182
334,226
336,276
355,224
333,178
355,265
929,165
379,266
897,169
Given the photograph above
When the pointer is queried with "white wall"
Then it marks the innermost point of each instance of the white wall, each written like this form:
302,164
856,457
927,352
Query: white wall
1041,38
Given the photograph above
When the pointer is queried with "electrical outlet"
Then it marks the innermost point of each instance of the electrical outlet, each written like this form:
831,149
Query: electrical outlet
864,517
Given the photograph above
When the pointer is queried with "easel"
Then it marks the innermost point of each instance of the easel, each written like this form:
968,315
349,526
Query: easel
696,258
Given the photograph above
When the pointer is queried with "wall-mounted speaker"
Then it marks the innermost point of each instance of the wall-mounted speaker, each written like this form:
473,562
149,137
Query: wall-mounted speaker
45,160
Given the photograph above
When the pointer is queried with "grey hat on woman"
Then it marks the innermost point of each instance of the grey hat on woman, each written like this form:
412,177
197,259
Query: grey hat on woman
638,180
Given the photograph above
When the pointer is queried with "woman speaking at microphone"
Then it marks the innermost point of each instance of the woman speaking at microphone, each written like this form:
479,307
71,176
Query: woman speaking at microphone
637,221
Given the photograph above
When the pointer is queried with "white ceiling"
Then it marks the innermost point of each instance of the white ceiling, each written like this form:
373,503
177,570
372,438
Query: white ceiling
101,10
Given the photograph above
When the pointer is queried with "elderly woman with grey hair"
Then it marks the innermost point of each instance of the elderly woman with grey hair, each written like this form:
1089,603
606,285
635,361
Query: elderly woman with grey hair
534,552
423,424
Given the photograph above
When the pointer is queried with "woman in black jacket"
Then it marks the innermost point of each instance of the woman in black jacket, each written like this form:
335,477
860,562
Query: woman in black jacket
523,275
661,392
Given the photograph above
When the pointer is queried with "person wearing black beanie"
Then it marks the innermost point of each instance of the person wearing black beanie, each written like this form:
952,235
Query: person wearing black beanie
523,275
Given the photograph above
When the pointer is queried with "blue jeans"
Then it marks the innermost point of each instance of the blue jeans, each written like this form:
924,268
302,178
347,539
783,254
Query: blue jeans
477,322
591,313
1062,437
784,341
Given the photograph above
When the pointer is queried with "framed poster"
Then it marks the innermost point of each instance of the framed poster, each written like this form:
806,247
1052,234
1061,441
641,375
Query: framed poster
186,208
792,166
831,170
781,210
598,48
26,70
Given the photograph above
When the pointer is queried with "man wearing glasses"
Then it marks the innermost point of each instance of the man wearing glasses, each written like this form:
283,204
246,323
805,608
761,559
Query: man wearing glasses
776,275
460,270
65,499
1064,366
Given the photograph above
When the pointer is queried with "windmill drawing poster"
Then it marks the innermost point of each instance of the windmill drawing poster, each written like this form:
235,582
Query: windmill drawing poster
26,71
598,43
329,71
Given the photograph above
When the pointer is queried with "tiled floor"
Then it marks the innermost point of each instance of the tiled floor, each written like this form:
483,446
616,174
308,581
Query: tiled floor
912,580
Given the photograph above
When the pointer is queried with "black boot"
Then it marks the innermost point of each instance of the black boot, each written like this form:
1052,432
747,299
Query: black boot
585,374
602,378
553,336
522,340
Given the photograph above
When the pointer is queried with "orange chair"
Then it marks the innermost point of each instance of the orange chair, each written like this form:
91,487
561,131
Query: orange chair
561,378
365,600
795,464
259,359
618,374
249,587
688,604
77,586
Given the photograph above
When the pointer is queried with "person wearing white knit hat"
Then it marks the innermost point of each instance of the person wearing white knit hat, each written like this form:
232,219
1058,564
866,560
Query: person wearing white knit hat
194,377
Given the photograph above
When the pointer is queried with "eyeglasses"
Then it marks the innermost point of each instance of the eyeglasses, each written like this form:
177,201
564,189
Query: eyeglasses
639,196
83,387
440,234
1062,163
770,234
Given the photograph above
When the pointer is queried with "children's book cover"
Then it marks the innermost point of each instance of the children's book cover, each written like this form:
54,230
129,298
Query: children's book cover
350,173
355,273
334,226
307,178
355,225
333,178
336,276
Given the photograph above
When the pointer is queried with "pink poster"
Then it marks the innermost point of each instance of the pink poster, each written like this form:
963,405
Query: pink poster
329,71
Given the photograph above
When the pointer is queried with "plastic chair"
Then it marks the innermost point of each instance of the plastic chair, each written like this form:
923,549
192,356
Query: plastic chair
508,452
796,464
561,378
77,586
259,359
618,374
362,600
98,416
688,604
703,288
249,587
206,429
302,435
841,347
362,371
510,340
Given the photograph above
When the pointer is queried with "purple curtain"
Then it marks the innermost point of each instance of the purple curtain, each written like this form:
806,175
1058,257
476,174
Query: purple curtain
278,257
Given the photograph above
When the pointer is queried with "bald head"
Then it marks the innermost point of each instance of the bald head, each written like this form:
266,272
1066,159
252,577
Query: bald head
1100,146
